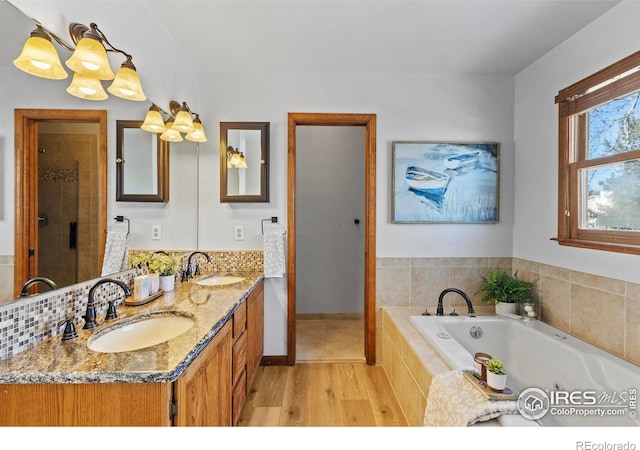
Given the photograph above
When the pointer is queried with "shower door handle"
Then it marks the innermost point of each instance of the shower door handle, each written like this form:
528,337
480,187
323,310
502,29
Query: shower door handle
73,234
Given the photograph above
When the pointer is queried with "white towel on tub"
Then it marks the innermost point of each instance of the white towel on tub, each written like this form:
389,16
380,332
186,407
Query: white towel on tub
454,402
274,257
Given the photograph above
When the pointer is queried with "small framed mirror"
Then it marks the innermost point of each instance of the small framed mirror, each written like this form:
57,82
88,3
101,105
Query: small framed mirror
142,164
244,158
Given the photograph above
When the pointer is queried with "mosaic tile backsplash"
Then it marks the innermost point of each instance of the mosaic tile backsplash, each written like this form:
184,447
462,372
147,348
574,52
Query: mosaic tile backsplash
32,320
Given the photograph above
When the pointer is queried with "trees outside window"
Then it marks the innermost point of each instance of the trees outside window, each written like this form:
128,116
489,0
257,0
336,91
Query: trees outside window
599,155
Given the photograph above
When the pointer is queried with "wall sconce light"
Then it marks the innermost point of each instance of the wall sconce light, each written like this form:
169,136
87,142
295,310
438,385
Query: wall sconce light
197,135
183,122
170,134
235,159
153,121
88,61
180,115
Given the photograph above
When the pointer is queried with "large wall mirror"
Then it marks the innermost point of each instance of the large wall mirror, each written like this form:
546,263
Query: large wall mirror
244,158
142,164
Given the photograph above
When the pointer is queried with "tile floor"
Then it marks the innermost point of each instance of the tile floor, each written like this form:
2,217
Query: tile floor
329,337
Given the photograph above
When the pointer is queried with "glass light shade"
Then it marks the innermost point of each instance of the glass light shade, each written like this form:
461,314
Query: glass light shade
183,122
87,88
153,121
243,162
40,58
90,59
170,134
197,135
234,161
127,84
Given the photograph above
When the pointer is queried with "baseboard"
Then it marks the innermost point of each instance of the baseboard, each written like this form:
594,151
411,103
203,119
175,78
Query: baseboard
274,361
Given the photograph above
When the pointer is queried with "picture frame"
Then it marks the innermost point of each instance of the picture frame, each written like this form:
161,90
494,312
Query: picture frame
445,182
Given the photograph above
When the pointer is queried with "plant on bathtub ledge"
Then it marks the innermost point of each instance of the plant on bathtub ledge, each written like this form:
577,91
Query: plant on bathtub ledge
505,291
496,375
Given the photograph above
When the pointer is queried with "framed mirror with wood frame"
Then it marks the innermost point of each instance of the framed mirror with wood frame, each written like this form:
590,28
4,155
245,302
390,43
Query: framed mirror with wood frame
142,164
244,162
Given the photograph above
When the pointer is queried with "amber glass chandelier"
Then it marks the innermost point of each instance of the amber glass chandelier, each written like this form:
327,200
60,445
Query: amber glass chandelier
88,61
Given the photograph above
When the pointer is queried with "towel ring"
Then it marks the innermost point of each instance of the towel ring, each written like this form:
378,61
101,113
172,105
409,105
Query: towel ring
122,219
273,219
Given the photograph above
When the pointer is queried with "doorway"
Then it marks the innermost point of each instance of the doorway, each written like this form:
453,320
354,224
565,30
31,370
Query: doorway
39,226
365,225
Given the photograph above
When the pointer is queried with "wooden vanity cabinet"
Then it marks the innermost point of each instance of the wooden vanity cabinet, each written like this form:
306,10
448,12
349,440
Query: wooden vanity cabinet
202,394
255,325
248,347
210,392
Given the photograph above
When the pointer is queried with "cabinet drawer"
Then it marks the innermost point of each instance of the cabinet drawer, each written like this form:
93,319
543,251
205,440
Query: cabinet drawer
239,320
239,357
238,397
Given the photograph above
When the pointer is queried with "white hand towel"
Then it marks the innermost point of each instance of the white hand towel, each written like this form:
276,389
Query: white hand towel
116,252
274,257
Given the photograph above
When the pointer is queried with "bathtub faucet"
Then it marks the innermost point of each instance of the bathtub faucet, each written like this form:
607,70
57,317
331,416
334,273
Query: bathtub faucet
440,310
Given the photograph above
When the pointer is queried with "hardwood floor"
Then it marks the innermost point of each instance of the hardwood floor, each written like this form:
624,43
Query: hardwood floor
336,394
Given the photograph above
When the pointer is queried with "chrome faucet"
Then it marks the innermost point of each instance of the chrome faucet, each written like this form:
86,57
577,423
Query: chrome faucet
90,315
25,289
440,310
186,274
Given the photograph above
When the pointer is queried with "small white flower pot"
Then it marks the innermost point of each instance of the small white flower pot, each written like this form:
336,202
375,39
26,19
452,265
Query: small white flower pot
506,308
495,381
167,283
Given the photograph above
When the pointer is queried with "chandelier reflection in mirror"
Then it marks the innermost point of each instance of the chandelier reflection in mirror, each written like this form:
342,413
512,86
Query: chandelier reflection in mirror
88,61
180,120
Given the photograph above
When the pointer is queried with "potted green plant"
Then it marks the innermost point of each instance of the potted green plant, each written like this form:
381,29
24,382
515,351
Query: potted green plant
496,375
505,291
166,267
140,261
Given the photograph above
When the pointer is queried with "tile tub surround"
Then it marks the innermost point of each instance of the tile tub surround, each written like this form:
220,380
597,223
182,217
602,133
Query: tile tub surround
602,311
408,360
55,361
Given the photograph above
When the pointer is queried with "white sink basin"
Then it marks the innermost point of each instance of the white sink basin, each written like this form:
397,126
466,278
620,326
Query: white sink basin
218,280
136,333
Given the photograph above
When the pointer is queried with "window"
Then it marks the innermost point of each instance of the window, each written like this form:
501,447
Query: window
599,160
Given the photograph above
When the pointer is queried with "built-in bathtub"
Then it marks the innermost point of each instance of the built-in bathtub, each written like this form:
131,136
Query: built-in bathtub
537,355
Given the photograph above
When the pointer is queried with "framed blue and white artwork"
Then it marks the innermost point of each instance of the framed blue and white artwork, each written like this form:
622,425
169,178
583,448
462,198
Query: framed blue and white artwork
445,182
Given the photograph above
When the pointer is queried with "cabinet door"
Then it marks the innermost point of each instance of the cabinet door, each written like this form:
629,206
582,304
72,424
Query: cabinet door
203,392
255,329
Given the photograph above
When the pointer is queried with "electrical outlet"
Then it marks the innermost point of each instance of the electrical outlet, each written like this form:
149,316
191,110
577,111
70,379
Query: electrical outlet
156,232
239,233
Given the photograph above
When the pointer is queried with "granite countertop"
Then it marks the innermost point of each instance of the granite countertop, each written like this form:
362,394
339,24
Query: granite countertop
57,361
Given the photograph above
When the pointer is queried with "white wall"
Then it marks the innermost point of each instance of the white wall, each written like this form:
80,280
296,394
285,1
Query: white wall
408,107
605,41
